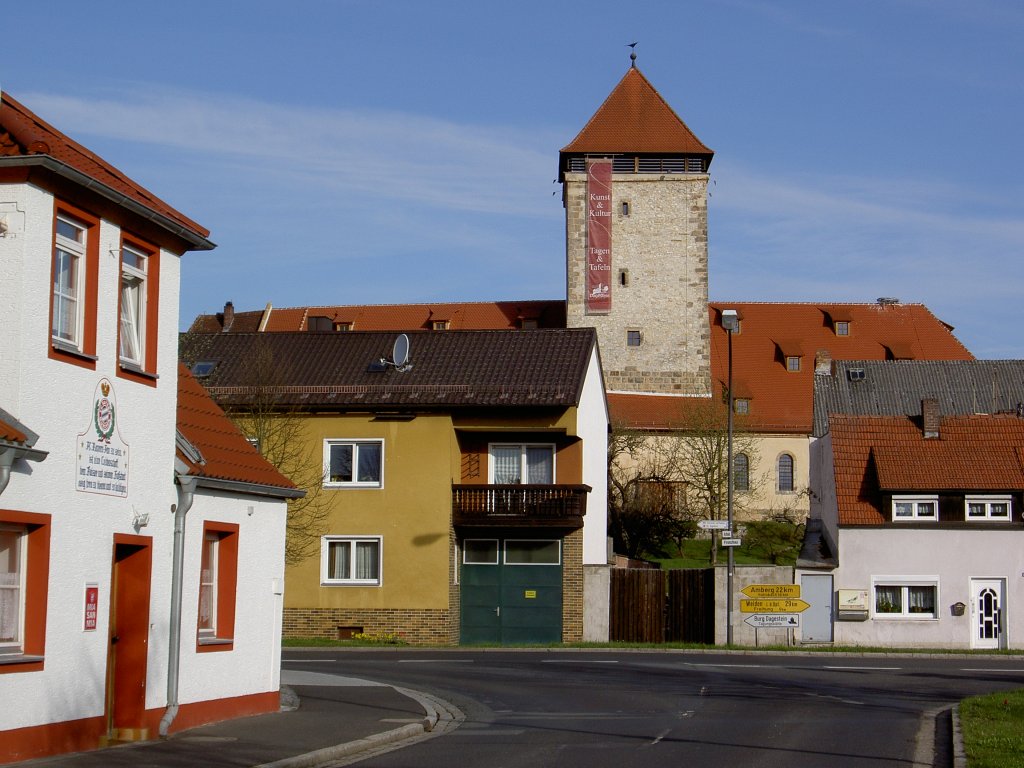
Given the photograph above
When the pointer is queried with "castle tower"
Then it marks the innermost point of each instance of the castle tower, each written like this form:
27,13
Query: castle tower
634,187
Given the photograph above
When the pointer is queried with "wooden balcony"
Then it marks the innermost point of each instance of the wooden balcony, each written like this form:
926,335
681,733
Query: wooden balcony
519,505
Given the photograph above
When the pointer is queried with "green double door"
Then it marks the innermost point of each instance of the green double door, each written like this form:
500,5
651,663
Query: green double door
511,591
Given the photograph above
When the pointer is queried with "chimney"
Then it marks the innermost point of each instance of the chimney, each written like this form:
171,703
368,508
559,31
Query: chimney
229,316
823,362
930,418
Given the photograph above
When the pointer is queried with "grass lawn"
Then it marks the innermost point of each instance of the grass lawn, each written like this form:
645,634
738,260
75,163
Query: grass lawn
696,553
993,730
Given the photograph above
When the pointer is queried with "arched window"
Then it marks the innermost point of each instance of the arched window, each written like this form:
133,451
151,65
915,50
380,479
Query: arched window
785,473
741,472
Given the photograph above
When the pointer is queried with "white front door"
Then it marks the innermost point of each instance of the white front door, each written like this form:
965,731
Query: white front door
987,609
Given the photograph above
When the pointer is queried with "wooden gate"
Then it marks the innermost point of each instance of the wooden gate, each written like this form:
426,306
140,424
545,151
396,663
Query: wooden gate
653,606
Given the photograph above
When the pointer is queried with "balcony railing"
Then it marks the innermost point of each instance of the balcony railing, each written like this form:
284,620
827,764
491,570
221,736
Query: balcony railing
517,505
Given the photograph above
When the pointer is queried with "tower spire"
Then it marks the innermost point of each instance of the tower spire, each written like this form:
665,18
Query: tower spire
632,54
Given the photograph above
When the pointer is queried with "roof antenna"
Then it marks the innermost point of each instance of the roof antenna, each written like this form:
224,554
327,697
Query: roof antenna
632,54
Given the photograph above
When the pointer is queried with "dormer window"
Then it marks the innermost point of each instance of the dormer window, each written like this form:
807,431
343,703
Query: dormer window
793,363
741,405
909,508
343,326
842,327
528,323
995,508
439,325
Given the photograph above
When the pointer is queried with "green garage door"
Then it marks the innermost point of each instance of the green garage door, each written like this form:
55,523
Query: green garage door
511,591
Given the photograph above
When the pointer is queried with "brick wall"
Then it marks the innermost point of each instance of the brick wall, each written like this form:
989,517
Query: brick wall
572,587
414,626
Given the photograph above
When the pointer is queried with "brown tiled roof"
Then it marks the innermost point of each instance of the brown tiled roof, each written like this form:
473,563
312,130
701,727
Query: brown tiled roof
226,453
874,453
23,134
471,315
543,368
635,119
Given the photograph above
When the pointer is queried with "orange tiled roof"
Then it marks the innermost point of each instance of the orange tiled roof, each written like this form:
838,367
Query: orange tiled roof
782,400
473,315
635,119
9,433
874,453
227,454
22,133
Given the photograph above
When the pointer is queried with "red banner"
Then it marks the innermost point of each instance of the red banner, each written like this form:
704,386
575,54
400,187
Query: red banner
92,599
599,237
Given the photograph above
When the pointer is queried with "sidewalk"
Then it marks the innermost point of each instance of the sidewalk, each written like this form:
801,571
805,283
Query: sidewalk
335,717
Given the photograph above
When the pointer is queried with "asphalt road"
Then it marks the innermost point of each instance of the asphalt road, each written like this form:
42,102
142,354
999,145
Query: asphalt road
603,709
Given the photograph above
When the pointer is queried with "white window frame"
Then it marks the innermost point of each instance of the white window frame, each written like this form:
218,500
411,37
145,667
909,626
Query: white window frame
133,308
64,295
523,466
989,502
16,646
917,501
354,442
465,554
505,560
905,583
351,580
209,580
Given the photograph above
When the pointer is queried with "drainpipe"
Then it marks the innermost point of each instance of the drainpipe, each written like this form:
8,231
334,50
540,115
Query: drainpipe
186,491
6,460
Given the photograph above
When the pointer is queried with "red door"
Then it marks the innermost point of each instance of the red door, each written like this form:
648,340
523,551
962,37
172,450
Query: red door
129,637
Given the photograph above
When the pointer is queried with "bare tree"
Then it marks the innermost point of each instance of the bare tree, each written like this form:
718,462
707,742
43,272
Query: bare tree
279,433
690,462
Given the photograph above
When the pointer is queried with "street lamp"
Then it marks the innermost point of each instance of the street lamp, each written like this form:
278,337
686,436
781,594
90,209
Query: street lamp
731,323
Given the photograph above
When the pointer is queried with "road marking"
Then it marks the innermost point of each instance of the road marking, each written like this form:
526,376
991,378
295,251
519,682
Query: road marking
736,666
661,736
577,661
993,669
436,661
308,661
864,669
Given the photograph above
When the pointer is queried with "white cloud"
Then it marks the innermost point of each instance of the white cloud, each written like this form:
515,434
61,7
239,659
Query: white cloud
380,154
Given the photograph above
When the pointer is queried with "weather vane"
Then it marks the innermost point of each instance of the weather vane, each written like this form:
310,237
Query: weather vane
632,53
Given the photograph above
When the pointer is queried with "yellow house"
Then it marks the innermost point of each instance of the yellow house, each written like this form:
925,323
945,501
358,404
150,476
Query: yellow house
464,478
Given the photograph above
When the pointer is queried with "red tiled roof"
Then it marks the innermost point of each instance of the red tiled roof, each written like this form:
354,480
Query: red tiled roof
22,133
780,400
227,454
10,433
873,453
635,119
474,315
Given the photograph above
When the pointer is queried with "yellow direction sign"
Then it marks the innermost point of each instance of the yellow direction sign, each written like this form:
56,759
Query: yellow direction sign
772,590
769,605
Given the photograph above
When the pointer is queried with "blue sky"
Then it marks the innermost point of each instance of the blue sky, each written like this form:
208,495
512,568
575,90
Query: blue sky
392,151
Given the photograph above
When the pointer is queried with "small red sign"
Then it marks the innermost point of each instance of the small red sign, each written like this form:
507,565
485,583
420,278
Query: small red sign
92,600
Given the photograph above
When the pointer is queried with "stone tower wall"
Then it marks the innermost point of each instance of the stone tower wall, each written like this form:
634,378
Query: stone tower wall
662,245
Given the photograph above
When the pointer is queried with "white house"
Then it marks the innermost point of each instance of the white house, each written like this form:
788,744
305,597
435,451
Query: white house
125,514
917,534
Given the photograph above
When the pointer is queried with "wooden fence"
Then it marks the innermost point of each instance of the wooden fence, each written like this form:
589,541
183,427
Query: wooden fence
654,606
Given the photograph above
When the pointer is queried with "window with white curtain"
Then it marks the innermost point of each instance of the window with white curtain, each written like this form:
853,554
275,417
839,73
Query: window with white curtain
12,589
351,560
988,508
208,586
906,598
133,305
522,463
915,508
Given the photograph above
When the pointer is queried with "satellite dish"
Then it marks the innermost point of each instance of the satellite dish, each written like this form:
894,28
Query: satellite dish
400,351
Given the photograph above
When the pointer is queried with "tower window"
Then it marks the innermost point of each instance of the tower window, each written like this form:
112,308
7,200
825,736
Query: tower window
633,338
625,207
623,277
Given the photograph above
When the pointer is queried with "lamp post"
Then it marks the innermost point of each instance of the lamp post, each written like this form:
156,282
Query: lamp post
730,322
